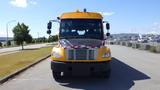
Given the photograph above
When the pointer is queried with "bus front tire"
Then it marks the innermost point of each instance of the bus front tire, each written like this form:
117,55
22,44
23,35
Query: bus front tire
56,75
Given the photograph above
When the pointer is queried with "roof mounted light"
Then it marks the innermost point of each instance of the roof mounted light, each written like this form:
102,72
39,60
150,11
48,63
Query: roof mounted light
85,10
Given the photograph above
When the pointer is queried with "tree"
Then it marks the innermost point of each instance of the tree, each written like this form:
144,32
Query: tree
41,39
9,43
21,34
53,38
0,44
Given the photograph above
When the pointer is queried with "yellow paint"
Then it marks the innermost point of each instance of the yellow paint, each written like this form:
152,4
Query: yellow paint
81,15
61,51
101,51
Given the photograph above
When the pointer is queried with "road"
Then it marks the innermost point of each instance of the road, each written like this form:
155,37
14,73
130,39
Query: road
12,49
131,69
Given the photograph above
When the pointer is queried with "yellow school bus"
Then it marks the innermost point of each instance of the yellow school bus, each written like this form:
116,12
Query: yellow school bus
81,49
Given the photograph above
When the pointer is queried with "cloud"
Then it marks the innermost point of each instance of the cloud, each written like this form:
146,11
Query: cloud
156,27
107,13
22,3
19,3
153,28
33,2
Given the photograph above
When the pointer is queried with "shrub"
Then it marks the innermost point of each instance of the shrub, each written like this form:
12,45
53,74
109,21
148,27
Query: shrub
9,43
152,49
0,44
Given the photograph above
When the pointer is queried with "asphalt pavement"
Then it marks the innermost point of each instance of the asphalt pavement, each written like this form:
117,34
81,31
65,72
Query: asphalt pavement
131,69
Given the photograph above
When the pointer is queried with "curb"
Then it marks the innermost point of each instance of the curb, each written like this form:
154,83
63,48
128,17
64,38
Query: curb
21,70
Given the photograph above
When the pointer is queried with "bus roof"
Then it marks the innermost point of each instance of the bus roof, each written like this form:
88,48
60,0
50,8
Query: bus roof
81,15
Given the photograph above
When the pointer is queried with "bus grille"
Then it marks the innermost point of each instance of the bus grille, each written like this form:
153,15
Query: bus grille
81,54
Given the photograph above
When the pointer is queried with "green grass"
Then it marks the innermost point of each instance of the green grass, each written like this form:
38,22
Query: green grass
12,62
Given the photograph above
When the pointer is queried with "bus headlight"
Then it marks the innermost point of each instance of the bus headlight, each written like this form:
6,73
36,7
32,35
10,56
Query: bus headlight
106,55
56,55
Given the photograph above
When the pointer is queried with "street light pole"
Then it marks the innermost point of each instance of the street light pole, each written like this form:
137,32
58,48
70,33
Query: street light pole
7,28
38,37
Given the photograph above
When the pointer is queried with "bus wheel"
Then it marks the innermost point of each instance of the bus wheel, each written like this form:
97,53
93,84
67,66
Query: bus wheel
56,75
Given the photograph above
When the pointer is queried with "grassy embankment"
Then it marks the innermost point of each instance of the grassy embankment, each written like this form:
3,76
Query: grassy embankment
12,62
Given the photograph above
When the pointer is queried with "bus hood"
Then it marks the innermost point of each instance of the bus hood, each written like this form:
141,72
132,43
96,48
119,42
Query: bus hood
81,43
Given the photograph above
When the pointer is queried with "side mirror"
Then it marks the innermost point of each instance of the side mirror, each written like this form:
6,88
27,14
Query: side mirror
107,26
58,18
107,34
49,25
49,32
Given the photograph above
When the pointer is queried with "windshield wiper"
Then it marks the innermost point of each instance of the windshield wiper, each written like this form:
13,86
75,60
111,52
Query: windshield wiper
68,37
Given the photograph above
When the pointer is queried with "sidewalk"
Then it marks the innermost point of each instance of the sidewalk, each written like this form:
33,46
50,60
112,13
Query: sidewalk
5,51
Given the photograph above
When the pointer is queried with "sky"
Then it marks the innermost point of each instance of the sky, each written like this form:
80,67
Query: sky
125,16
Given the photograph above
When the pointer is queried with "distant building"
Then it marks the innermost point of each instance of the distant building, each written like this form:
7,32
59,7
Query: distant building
125,37
3,39
143,38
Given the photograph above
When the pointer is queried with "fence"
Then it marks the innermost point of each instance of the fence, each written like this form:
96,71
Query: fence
153,47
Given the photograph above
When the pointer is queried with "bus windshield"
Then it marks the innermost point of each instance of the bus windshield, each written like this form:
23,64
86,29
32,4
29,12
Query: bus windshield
81,28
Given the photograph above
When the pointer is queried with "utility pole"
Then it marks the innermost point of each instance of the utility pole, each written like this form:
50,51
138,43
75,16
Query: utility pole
38,36
7,28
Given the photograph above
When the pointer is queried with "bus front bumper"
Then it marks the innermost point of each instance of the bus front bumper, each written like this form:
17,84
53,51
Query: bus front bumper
80,68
